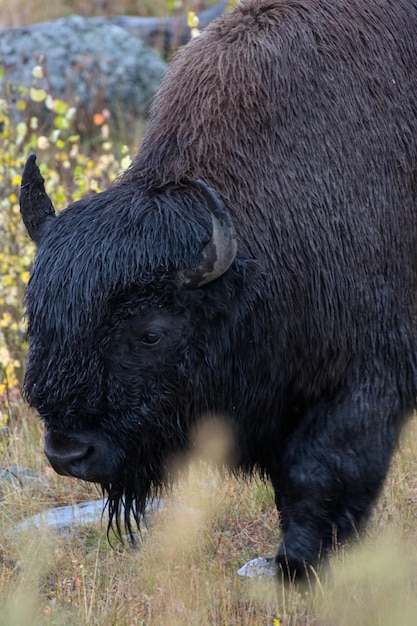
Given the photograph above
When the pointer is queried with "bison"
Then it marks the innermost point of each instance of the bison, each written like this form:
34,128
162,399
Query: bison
257,261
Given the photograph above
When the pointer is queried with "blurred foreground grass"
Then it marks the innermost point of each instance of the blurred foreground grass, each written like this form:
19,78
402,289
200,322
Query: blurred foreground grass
184,570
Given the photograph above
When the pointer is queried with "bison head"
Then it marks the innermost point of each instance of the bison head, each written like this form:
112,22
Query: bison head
127,304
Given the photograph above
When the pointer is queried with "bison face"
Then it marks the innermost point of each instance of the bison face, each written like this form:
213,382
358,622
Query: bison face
127,297
137,411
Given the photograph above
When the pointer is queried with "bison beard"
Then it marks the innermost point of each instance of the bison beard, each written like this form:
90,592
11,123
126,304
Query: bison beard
127,501
257,261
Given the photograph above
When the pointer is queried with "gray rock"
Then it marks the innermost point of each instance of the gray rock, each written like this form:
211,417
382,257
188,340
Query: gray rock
99,65
259,567
21,477
64,518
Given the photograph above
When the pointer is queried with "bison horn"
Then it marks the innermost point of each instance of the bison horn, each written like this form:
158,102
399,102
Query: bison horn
35,206
218,254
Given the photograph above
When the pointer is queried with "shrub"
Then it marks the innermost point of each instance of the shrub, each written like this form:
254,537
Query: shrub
71,169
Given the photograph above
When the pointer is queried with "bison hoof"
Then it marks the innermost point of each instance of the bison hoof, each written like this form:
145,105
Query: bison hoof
258,568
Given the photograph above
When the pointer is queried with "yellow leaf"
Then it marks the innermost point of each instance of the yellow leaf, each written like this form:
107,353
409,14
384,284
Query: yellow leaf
60,107
37,72
21,129
7,316
37,95
192,19
43,142
70,114
50,102
125,162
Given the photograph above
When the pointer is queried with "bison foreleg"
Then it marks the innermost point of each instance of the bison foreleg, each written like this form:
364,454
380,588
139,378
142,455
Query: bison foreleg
331,471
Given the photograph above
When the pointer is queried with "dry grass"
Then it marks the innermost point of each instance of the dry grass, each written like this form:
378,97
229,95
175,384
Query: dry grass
22,12
184,572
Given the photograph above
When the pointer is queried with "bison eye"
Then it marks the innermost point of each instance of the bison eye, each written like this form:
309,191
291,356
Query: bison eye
150,338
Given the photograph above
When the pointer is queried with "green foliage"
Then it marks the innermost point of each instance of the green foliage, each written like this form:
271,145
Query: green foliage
70,171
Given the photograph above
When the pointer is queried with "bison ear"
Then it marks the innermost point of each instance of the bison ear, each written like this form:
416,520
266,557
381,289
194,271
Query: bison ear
218,254
35,206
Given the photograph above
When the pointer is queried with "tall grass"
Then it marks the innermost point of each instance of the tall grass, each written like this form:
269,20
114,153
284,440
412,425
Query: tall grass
184,571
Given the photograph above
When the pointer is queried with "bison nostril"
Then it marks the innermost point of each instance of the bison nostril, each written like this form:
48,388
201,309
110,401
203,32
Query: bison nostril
79,460
66,455
86,455
66,459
